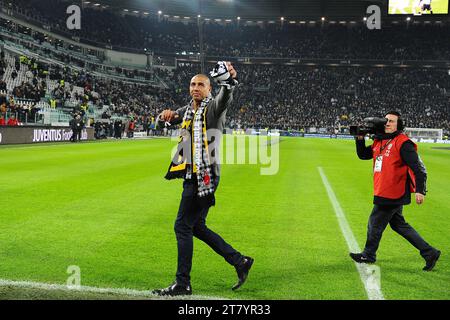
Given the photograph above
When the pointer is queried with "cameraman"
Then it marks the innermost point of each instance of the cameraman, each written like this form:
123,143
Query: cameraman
398,171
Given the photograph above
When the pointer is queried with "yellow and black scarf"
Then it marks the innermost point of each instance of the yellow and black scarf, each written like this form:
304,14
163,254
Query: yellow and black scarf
192,155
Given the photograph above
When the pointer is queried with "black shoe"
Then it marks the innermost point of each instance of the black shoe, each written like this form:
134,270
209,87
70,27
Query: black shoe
431,261
361,258
174,290
242,271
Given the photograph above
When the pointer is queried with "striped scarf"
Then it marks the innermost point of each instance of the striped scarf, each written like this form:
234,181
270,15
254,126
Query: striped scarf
193,141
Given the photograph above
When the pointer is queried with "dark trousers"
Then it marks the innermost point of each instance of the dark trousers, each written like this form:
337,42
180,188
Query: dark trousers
392,214
190,222
76,135
73,138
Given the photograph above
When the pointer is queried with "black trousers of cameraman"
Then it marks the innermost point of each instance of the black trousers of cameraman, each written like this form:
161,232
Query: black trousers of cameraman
381,216
191,222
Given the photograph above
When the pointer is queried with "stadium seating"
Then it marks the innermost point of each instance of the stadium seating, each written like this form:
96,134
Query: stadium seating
338,41
282,97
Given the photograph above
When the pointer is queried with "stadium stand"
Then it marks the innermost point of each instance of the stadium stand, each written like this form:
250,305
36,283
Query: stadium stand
274,95
338,41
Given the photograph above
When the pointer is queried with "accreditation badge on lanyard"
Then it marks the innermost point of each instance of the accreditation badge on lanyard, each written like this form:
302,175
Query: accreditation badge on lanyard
378,164
379,159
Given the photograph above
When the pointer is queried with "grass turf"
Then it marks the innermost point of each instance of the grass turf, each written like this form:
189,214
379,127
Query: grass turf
438,6
106,208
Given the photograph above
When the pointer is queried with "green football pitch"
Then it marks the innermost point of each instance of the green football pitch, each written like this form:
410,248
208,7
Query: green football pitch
438,6
106,208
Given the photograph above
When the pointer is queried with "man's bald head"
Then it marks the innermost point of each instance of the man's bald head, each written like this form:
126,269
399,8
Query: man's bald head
202,77
200,87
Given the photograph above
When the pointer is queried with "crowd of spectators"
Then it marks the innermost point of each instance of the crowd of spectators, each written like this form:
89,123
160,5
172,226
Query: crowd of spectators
33,87
30,90
294,98
79,88
134,100
18,112
321,40
20,105
269,96
112,29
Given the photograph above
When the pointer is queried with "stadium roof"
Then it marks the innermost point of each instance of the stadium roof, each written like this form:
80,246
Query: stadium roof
250,9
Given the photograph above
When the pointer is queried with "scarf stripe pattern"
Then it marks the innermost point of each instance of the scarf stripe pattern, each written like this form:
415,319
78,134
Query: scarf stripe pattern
194,124
201,153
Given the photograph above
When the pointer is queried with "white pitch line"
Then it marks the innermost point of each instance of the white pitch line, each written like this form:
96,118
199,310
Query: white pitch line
119,291
369,274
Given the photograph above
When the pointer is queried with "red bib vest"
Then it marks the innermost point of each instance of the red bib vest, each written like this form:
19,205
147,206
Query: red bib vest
390,181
